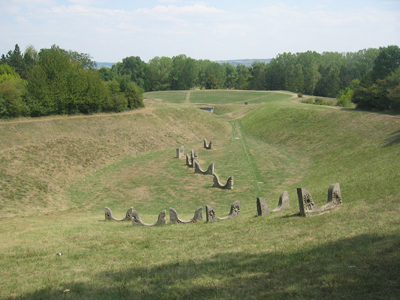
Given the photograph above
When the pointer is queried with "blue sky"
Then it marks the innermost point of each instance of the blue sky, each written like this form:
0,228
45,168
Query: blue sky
215,30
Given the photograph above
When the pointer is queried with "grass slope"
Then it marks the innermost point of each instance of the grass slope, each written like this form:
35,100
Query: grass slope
40,159
351,253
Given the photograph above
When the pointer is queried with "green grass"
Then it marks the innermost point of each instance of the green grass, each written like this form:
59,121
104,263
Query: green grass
170,96
218,96
351,253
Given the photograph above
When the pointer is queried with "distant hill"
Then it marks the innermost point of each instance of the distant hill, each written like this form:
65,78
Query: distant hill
104,64
246,62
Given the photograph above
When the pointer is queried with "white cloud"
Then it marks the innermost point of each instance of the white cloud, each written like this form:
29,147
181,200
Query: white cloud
82,2
173,9
33,2
170,1
197,29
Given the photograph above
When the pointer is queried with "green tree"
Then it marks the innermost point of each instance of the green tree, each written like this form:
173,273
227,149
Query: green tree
61,85
12,88
373,97
131,91
212,82
159,73
203,74
393,81
16,61
184,73
344,96
310,61
231,76
243,77
132,66
388,60
134,95
31,57
258,76
115,100
107,74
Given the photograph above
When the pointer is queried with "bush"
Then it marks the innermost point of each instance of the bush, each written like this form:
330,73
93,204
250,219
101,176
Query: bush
308,101
300,95
11,101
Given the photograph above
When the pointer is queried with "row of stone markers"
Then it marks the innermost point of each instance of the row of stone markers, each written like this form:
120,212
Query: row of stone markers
133,215
307,208
192,161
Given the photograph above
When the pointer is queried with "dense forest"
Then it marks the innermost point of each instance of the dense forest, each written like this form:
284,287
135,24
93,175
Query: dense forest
57,81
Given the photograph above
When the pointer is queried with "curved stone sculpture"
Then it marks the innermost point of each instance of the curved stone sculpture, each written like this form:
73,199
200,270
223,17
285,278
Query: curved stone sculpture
197,169
334,198
109,216
283,202
307,206
173,216
209,146
262,207
195,156
138,222
227,186
212,217
189,161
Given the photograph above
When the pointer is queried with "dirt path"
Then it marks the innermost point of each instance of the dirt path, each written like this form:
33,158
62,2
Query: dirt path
187,97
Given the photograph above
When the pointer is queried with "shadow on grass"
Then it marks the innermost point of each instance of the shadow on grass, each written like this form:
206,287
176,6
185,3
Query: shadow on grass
361,267
393,139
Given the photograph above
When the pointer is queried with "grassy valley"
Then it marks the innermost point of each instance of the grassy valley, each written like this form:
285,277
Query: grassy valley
58,174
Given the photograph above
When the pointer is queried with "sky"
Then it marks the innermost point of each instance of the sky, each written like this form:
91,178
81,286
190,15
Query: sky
216,30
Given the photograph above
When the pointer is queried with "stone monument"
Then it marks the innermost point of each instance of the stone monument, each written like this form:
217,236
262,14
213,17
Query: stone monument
173,216
138,222
109,216
307,206
197,169
235,212
227,186
209,145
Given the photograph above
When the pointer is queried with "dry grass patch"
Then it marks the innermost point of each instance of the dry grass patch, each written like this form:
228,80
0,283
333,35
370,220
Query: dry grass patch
39,160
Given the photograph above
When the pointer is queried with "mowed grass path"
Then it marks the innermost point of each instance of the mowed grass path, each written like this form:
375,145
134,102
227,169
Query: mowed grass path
351,253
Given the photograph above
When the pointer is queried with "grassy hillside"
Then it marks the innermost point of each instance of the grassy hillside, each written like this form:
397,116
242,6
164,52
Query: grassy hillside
358,149
41,158
351,253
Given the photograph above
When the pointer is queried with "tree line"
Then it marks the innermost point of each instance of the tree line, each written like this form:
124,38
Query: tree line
369,78
56,81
